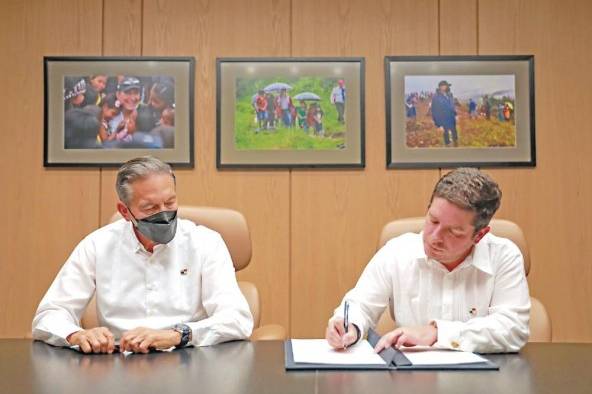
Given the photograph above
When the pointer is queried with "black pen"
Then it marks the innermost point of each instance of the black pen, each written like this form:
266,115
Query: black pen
345,318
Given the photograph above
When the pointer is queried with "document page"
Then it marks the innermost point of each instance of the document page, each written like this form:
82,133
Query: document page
440,357
318,351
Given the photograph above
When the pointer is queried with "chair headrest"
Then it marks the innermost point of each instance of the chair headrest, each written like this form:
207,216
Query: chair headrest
499,227
230,224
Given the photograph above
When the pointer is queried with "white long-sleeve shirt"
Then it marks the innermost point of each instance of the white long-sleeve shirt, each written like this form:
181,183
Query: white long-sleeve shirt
338,95
190,280
483,305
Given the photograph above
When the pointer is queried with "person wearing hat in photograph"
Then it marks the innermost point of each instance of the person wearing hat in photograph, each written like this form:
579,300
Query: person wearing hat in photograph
444,113
128,94
338,99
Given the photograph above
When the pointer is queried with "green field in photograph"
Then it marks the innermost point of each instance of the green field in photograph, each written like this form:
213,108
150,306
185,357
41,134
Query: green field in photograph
248,137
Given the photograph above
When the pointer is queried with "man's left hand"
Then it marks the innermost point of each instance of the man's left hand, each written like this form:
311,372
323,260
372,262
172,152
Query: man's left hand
141,340
408,336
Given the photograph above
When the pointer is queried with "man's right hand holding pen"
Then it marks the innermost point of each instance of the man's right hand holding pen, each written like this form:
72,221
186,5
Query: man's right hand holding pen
336,335
341,333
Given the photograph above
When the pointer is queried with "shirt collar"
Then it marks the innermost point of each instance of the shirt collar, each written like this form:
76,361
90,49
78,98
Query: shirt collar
133,241
478,258
480,254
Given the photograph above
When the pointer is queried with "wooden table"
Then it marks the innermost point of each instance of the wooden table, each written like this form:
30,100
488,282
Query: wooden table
258,367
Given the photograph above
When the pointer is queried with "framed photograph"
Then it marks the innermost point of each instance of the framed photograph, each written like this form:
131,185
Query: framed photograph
451,111
103,111
290,112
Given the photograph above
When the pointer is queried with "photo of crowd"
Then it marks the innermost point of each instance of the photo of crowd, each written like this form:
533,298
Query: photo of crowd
306,113
119,111
471,111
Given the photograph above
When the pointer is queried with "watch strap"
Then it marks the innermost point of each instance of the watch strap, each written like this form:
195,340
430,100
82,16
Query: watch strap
185,332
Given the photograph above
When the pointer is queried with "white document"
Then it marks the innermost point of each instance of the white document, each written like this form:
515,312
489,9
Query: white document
442,357
318,351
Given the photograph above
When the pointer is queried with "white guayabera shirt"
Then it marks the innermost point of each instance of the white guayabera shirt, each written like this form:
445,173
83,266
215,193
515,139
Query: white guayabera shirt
483,305
190,280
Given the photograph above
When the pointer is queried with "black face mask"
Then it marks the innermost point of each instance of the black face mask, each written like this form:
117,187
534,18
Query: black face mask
160,227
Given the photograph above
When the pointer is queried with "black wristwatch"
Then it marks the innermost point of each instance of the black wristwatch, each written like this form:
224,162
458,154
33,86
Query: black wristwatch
185,332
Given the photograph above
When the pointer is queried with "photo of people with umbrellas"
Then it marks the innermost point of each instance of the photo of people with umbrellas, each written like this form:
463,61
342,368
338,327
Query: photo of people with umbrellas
451,111
290,113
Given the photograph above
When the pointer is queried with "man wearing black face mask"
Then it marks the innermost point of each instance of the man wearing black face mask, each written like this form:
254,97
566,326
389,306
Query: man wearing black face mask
159,281
160,227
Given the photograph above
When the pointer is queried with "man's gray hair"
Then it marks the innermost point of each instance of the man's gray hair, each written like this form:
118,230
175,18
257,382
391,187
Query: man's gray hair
135,169
473,190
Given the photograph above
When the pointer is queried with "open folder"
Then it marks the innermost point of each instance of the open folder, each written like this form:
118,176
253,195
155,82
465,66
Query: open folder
316,354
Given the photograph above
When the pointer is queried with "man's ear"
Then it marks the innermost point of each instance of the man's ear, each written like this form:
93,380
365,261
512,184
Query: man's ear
123,211
480,234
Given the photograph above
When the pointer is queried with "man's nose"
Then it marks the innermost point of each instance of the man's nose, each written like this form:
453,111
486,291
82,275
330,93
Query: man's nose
437,234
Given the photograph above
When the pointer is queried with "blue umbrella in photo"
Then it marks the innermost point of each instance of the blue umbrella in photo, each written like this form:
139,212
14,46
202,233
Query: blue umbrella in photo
276,87
307,96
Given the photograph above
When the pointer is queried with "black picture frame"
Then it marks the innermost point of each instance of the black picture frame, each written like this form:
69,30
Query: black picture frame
172,141
412,143
238,81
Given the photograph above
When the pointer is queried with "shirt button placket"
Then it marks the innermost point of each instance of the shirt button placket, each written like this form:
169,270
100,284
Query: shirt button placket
151,285
447,297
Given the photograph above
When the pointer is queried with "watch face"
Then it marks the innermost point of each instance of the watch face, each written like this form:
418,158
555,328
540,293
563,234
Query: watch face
185,331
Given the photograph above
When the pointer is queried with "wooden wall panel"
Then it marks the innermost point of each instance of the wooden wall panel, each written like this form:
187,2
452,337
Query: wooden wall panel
458,27
122,28
46,211
337,215
207,30
550,201
122,36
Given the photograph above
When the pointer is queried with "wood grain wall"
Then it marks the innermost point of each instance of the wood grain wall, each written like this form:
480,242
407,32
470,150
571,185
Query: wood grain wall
313,231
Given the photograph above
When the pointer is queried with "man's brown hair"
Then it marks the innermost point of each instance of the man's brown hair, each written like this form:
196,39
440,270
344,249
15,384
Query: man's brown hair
470,189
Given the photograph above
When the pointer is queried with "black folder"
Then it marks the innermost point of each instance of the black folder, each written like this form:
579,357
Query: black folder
393,360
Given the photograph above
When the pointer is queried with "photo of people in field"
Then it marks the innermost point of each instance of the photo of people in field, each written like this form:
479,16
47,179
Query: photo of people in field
283,113
119,111
469,111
